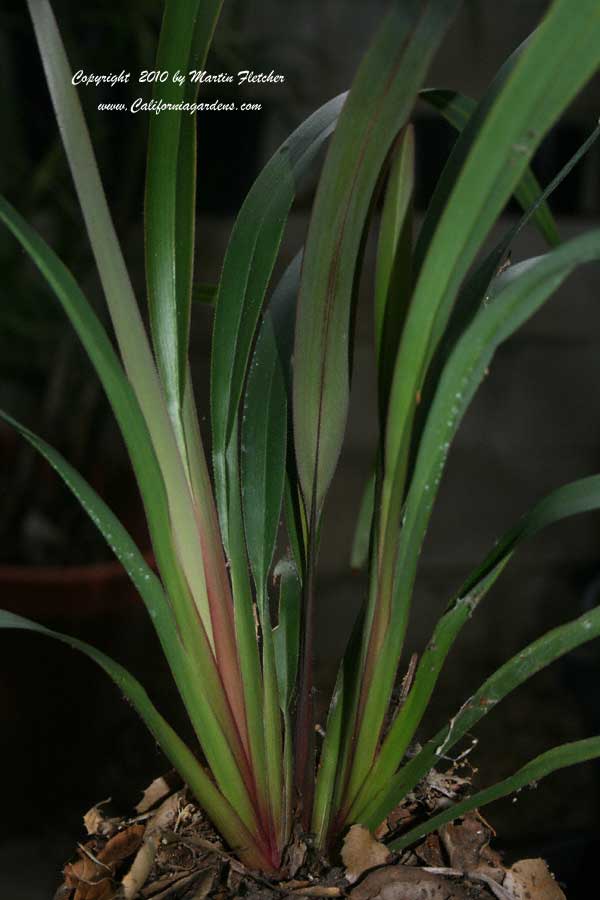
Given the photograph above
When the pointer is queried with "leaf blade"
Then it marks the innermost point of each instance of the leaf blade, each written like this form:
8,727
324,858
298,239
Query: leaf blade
377,108
457,109
551,761
186,33
247,270
507,678
519,295
216,806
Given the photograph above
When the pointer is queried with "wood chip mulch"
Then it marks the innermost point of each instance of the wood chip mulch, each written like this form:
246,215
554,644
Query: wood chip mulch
169,851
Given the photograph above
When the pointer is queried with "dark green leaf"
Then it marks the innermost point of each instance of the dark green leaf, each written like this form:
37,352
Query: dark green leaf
528,776
511,675
457,110
379,103
185,37
247,270
221,812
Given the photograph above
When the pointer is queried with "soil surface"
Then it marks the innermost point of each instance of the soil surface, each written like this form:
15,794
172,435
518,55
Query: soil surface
169,851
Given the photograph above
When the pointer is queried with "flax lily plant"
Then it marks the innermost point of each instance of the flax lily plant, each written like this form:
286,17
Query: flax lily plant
235,616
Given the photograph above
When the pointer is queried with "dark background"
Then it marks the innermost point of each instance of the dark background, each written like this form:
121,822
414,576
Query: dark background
67,740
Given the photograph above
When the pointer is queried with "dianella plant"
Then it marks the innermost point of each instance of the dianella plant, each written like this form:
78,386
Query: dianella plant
235,613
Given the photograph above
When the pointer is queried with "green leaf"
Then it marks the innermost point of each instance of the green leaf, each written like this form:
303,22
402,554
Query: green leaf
328,762
362,532
457,110
190,661
476,287
125,315
528,776
118,390
247,270
147,470
379,103
263,458
245,623
517,294
393,267
337,747
520,292
265,426
185,37
572,499
105,245
283,308
212,801
512,674
264,448
286,650
120,542
286,634
508,126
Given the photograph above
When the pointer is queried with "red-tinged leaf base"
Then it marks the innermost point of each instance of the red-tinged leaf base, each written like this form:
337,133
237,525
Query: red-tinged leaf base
169,850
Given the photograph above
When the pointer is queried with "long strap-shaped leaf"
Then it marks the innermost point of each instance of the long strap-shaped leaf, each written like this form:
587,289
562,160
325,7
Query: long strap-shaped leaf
538,768
190,663
380,100
471,297
558,59
511,675
286,645
119,294
245,626
247,269
215,805
120,395
186,33
382,95
572,499
146,468
519,296
475,289
458,109
264,450
212,601
393,268
263,470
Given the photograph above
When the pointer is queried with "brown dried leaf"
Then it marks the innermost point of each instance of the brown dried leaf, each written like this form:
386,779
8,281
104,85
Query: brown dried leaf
97,823
316,891
295,856
166,814
234,881
155,792
89,877
164,817
407,883
135,879
531,878
204,886
465,840
102,890
430,851
199,882
361,852
400,817
122,845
